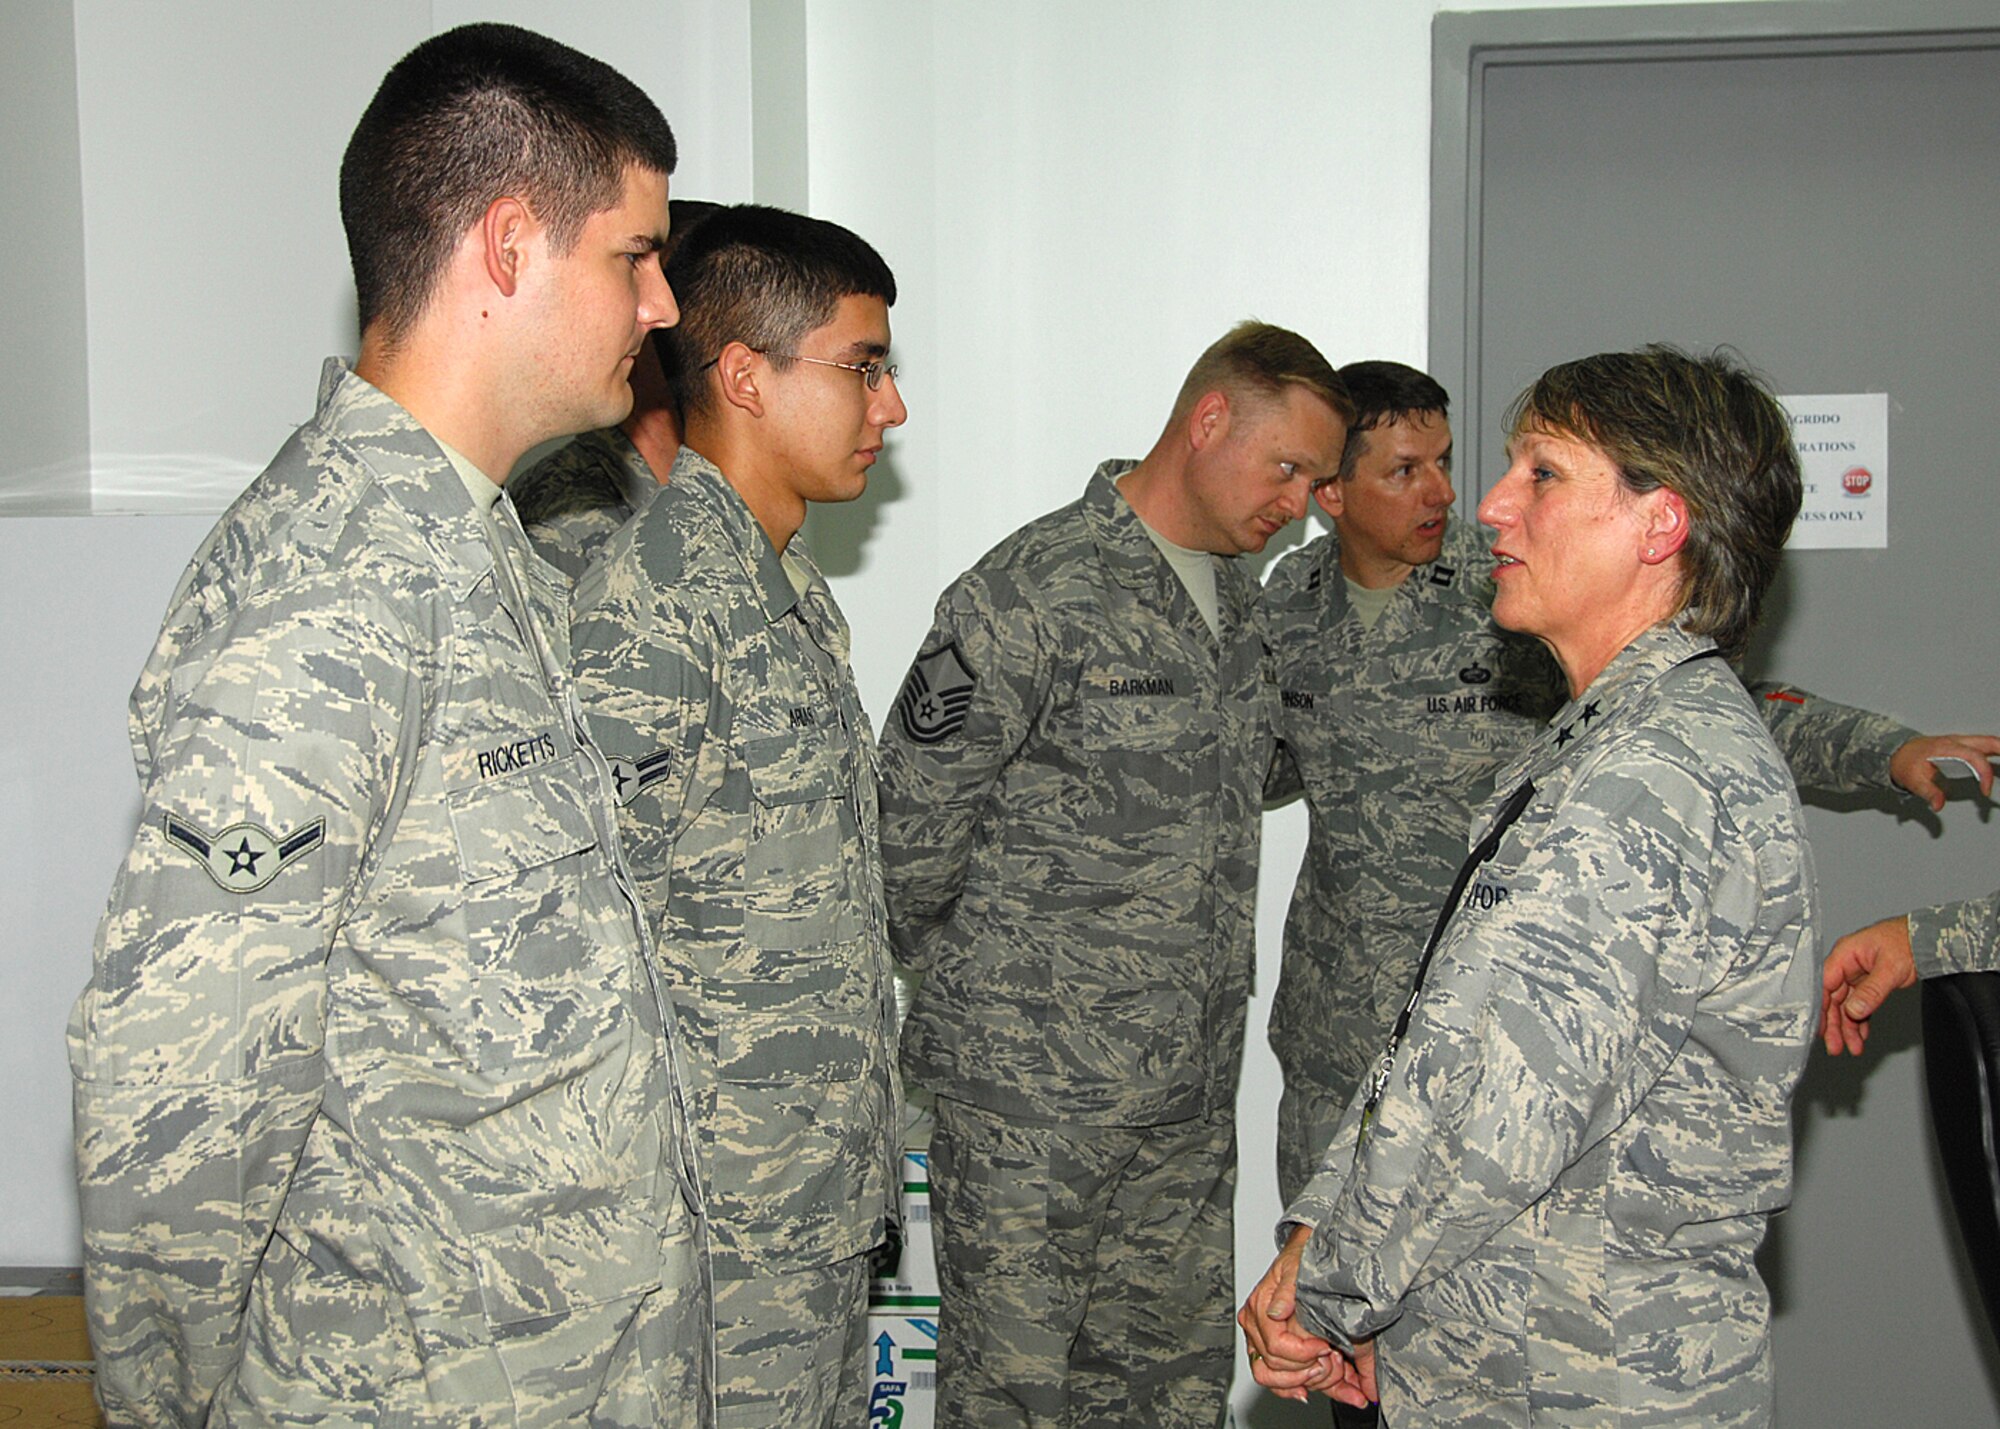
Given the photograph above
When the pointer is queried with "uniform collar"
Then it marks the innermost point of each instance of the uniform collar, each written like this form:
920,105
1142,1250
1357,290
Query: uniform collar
1120,536
483,489
698,480
1131,557
1631,672
637,482
411,470
1655,651
1423,585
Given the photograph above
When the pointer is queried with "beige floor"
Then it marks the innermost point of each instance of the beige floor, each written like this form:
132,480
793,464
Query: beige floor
44,1363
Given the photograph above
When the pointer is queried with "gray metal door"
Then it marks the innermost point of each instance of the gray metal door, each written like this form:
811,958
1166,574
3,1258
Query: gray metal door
1829,205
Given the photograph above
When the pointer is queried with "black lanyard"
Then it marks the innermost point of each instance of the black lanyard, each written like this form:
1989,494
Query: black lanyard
1488,846
1484,851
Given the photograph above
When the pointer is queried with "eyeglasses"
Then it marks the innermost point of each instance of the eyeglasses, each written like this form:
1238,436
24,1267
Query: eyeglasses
871,372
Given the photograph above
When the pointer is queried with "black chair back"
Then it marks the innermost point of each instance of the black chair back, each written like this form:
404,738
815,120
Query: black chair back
1962,1068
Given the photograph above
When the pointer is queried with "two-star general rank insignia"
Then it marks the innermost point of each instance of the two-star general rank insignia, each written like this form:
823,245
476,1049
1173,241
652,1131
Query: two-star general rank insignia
936,696
243,857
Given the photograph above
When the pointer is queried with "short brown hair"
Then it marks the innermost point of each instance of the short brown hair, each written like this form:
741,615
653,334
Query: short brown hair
478,113
1707,429
1383,394
1261,360
764,277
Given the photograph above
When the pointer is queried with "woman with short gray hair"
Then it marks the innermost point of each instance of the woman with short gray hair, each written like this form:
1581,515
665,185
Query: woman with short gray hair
1546,1205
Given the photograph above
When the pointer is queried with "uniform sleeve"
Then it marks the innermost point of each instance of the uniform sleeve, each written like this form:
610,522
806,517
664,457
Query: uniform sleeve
277,750
1957,937
1546,1017
1831,748
968,705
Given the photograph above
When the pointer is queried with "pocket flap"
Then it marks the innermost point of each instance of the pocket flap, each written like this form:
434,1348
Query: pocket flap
795,768
564,1263
1114,722
523,821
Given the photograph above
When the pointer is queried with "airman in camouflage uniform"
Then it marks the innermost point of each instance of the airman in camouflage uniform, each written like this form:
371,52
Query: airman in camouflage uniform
1865,966
1071,782
714,665
377,1110
1394,732
1545,1205
1554,1214
1869,964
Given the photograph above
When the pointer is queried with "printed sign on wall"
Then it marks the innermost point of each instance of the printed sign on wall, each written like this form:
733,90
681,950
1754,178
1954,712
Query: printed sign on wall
1843,442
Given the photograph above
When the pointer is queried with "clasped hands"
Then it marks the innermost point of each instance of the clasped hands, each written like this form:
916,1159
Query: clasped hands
1284,1358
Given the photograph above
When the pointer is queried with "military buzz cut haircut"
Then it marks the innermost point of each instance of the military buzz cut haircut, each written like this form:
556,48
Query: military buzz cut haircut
1259,361
1385,393
764,277
1707,428
475,114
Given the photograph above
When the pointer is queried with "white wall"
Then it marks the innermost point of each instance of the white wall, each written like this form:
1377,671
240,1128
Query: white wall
211,137
1076,199
41,305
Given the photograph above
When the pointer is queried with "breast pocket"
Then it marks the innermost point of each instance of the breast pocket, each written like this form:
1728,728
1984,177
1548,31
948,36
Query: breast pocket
1142,762
540,989
795,874
525,821
1144,724
795,999
1455,725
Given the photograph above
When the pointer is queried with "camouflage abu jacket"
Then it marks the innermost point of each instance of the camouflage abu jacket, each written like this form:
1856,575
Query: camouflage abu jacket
574,499
1957,937
1070,817
375,1094
1555,1214
747,770
1395,735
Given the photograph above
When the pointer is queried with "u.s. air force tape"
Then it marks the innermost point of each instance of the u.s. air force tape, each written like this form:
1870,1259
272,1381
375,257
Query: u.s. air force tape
936,696
244,857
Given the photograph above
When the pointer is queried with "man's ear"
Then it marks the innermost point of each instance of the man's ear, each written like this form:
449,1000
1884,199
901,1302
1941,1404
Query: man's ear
1666,525
503,233
1330,495
739,370
1208,420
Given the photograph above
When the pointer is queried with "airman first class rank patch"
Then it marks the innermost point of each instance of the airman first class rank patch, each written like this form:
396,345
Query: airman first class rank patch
632,777
936,697
244,857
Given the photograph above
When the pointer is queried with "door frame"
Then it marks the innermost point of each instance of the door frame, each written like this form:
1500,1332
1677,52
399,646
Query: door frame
1466,46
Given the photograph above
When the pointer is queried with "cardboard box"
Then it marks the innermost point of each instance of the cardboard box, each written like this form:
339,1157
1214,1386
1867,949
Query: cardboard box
903,1388
911,1284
